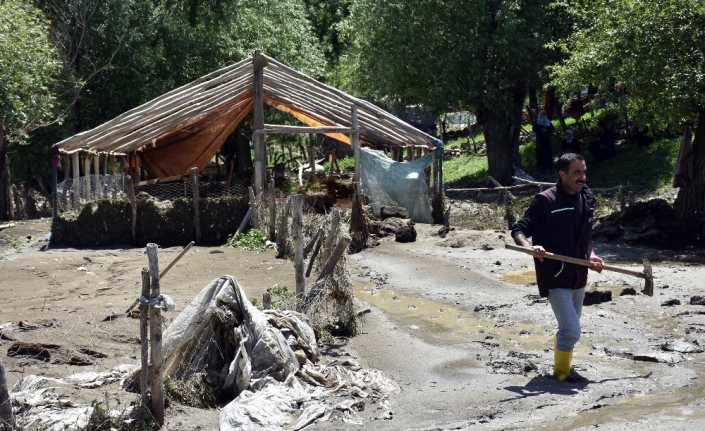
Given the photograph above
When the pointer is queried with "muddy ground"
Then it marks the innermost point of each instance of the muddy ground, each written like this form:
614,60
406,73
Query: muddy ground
456,322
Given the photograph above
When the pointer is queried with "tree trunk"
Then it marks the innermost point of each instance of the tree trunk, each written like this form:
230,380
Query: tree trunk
690,201
502,137
6,209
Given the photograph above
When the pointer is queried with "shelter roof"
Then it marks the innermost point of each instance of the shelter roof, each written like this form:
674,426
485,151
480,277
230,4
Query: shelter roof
201,114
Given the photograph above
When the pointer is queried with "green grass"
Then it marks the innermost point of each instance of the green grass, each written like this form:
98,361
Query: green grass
465,168
347,162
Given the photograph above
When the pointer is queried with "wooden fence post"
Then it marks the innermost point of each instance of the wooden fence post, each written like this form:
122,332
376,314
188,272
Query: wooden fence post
319,240
133,204
339,250
296,229
272,211
253,206
622,198
196,212
334,222
144,337
7,418
155,336
283,230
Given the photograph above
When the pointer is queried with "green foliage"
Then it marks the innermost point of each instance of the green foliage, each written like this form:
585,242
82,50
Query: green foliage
253,239
654,50
28,66
465,168
344,163
281,298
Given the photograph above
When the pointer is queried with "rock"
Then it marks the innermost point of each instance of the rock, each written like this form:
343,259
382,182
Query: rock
607,229
627,291
671,303
666,358
391,225
597,297
697,300
648,223
405,234
681,346
443,231
388,211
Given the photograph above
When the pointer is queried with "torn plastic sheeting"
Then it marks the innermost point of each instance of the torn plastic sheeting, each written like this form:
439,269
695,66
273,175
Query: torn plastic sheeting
163,302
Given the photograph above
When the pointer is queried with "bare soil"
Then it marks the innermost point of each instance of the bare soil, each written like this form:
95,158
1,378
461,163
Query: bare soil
455,321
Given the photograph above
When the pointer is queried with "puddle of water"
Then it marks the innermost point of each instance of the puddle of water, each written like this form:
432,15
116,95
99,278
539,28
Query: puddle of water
522,276
443,324
672,405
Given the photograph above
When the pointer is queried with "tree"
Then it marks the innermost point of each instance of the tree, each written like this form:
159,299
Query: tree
28,67
655,50
457,55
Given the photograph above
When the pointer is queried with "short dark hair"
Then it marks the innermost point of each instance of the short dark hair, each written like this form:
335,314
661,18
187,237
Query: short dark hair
566,159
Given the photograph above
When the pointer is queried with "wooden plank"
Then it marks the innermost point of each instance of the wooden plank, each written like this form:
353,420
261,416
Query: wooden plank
196,198
281,130
155,336
297,218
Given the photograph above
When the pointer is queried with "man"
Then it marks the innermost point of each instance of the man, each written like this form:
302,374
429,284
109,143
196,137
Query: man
570,144
603,147
560,221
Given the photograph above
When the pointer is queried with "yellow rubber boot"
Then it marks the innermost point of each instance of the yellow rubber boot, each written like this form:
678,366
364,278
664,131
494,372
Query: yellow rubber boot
561,368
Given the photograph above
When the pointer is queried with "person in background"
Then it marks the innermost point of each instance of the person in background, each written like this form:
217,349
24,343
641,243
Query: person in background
559,220
570,144
602,147
543,128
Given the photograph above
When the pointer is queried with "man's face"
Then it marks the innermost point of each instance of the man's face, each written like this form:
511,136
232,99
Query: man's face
574,180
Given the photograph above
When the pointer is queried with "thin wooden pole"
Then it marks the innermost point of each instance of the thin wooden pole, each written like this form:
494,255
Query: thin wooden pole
355,139
133,204
76,180
297,218
155,336
253,207
144,338
311,156
196,212
313,256
283,230
340,248
272,211
259,139
96,169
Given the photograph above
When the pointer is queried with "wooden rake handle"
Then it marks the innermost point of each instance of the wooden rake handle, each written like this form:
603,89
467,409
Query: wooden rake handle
575,261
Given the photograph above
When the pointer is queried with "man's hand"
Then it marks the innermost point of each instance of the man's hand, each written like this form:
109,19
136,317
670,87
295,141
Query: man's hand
539,252
597,262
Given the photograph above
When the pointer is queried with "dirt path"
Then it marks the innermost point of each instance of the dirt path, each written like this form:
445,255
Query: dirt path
468,349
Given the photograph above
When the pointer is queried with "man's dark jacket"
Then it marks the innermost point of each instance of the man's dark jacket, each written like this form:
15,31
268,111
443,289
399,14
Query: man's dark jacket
550,221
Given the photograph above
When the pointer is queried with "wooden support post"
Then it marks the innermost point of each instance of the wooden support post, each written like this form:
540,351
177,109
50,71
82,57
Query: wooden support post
96,179
253,206
230,178
283,230
76,180
312,156
355,140
196,212
133,204
622,198
267,301
332,160
272,211
87,176
7,417
297,219
259,139
334,223
319,241
155,336
144,338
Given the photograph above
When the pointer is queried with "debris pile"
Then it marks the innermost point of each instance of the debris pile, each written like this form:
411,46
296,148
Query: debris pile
652,223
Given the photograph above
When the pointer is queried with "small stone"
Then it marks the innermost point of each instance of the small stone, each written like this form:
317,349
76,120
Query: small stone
671,303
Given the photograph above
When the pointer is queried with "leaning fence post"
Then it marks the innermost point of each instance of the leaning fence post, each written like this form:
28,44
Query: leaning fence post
334,222
296,227
319,240
133,204
144,340
272,211
155,336
196,217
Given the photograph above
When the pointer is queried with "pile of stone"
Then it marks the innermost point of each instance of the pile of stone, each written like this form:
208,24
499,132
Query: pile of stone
394,221
651,223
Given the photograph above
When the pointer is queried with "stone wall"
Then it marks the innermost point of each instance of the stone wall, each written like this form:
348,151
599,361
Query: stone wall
167,223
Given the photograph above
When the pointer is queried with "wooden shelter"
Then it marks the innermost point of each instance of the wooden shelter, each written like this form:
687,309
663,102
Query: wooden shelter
185,127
